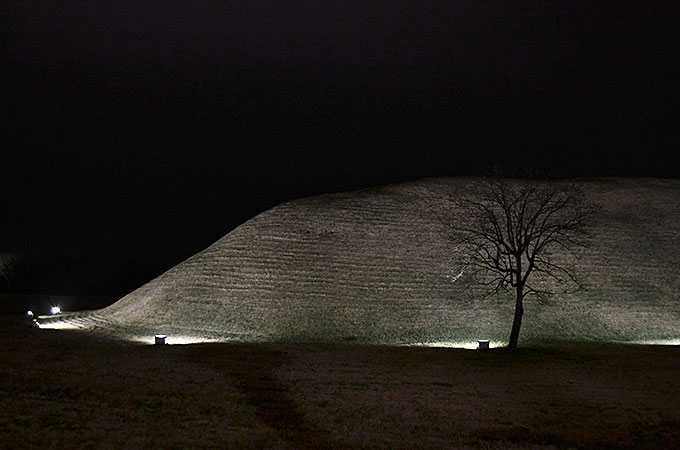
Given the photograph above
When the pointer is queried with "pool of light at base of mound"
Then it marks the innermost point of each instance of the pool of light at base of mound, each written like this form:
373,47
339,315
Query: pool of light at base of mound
657,342
56,326
468,345
174,340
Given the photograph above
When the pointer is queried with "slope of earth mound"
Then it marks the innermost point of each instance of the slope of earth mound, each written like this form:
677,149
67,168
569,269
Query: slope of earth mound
375,266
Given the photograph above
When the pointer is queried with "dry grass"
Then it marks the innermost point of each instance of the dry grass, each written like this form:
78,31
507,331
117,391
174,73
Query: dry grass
66,389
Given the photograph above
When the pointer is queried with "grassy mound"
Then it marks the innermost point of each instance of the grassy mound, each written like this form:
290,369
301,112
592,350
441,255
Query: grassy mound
375,266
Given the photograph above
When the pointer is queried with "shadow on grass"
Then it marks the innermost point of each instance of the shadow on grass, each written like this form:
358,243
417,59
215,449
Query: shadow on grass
255,371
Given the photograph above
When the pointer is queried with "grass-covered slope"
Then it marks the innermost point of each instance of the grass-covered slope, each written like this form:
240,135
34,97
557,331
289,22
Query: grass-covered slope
376,266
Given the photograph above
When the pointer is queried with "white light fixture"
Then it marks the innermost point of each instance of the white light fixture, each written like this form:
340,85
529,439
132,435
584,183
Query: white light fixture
29,313
55,310
161,339
483,344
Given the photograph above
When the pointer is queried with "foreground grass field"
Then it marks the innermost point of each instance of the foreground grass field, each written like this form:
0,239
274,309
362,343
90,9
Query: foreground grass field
67,389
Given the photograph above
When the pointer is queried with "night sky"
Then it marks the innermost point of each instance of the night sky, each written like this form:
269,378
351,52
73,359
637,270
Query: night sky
137,133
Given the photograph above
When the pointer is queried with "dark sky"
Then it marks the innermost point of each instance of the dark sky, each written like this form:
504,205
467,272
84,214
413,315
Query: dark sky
137,133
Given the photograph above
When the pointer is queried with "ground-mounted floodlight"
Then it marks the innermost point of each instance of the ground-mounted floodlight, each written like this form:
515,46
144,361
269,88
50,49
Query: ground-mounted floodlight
161,339
30,318
55,310
483,344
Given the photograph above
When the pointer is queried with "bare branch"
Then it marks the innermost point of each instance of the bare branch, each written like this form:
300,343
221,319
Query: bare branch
516,235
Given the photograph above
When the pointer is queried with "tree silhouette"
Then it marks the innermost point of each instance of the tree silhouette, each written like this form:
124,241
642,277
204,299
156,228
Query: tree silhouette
511,233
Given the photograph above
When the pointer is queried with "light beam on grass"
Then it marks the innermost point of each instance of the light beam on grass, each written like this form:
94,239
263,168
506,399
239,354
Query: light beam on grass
174,340
56,326
468,345
657,342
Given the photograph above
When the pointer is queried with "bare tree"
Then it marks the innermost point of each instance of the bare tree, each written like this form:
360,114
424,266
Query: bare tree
511,233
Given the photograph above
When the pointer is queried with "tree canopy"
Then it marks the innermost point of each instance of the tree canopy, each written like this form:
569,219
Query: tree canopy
513,234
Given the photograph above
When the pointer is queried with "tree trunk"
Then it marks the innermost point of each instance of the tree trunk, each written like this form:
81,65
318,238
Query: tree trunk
516,322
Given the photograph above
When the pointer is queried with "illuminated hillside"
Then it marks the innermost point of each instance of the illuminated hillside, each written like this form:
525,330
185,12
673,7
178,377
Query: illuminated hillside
375,266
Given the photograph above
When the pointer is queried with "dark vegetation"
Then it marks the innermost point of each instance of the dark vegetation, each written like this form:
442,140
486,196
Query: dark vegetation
70,389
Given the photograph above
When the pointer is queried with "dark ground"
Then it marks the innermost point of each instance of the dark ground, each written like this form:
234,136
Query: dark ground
68,389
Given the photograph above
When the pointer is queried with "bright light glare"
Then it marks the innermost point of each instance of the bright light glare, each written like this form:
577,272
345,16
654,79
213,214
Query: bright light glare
55,310
29,313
